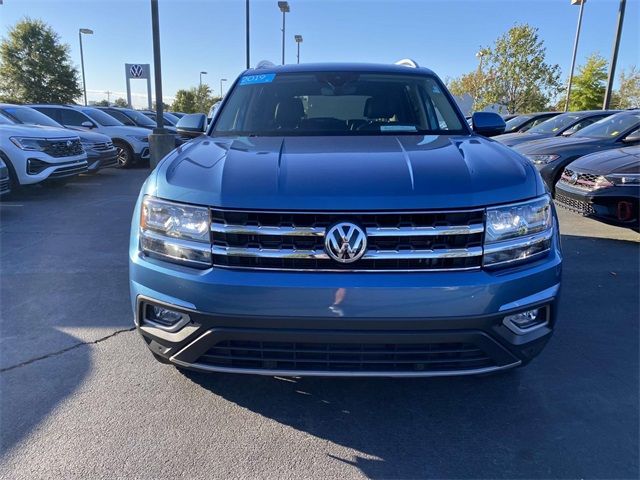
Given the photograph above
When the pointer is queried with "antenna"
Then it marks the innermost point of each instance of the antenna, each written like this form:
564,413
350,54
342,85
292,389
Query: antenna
407,62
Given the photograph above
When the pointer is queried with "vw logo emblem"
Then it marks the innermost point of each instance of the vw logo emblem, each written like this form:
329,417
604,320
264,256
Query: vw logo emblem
345,242
573,178
69,143
136,71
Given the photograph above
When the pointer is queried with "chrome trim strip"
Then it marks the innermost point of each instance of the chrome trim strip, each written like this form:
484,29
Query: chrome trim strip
425,231
259,230
519,242
369,255
345,270
320,373
349,212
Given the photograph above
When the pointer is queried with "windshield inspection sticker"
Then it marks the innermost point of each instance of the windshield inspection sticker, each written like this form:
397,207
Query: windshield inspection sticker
255,79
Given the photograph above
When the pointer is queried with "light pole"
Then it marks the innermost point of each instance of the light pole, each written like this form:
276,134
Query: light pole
298,41
284,8
222,80
247,31
86,31
202,73
614,55
575,50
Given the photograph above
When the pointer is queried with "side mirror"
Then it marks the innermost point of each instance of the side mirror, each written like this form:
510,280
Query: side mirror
87,124
487,124
192,125
633,137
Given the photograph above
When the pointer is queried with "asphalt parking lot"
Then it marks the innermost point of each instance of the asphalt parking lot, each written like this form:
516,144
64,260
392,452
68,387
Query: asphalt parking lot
81,397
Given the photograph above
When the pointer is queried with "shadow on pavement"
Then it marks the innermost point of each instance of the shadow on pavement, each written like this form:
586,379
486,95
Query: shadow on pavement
573,412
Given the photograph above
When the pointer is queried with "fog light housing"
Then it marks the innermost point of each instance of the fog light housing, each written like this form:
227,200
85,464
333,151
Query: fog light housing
164,318
524,322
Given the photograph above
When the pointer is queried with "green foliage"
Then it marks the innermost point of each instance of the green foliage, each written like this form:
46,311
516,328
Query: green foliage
195,100
102,103
587,92
628,95
35,66
120,102
516,73
473,83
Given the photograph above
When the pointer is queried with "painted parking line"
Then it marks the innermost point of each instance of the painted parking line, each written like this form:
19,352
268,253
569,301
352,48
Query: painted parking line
90,184
10,205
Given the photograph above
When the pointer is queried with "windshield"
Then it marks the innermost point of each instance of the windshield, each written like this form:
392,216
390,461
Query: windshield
171,118
102,118
140,118
555,124
610,127
5,121
337,103
30,116
515,122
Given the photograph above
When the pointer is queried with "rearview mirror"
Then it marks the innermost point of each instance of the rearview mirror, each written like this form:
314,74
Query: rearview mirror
487,124
87,124
192,125
633,137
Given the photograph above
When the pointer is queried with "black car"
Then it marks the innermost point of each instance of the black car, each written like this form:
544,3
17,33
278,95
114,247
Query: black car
508,116
101,152
522,123
604,185
130,117
552,155
563,124
178,114
170,120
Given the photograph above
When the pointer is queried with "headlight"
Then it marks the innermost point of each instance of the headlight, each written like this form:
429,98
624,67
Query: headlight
542,159
175,232
624,178
32,144
139,138
518,232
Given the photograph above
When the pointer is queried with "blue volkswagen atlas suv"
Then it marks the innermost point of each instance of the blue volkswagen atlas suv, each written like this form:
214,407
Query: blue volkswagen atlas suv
344,220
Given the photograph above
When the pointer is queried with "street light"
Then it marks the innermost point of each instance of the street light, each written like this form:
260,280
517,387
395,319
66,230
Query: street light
202,73
614,55
222,80
284,8
246,19
298,41
575,50
86,31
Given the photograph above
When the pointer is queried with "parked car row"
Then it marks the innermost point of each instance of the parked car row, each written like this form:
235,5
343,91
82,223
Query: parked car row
589,160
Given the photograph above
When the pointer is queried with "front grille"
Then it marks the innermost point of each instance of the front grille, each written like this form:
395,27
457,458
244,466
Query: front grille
578,206
583,181
350,357
395,241
63,148
102,147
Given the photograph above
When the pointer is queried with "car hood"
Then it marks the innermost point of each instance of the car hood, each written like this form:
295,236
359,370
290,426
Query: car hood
88,136
558,145
346,173
619,160
38,131
124,130
511,139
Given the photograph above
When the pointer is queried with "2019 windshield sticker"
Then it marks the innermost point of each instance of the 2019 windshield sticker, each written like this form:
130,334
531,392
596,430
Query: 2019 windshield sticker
255,79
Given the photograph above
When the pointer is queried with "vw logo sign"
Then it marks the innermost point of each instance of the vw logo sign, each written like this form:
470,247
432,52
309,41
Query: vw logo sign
574,178
345,242
69,143
136,71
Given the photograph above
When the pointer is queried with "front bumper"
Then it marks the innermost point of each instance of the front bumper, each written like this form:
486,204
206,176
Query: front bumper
102,159
617,204
345,324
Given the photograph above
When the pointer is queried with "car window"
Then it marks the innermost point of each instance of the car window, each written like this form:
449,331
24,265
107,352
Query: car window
555,124
517,122
337,103
610,127
121,117
30,116
141,119
72,117
102,118
54,113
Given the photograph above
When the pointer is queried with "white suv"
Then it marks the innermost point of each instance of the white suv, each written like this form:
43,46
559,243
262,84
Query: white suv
34,154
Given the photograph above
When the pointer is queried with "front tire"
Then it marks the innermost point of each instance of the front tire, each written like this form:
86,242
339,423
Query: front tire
125,154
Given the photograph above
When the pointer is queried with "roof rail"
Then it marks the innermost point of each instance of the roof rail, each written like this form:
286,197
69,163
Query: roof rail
407,62
265,64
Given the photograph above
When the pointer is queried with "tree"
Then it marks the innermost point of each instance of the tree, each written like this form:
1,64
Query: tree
35,66
102,103
195,100
628,95
588,88
120,102
473,83
516,72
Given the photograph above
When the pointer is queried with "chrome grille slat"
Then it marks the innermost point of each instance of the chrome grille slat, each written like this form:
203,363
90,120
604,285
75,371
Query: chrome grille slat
397,241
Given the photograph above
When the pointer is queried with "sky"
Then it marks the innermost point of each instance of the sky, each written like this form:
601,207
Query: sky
209,35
